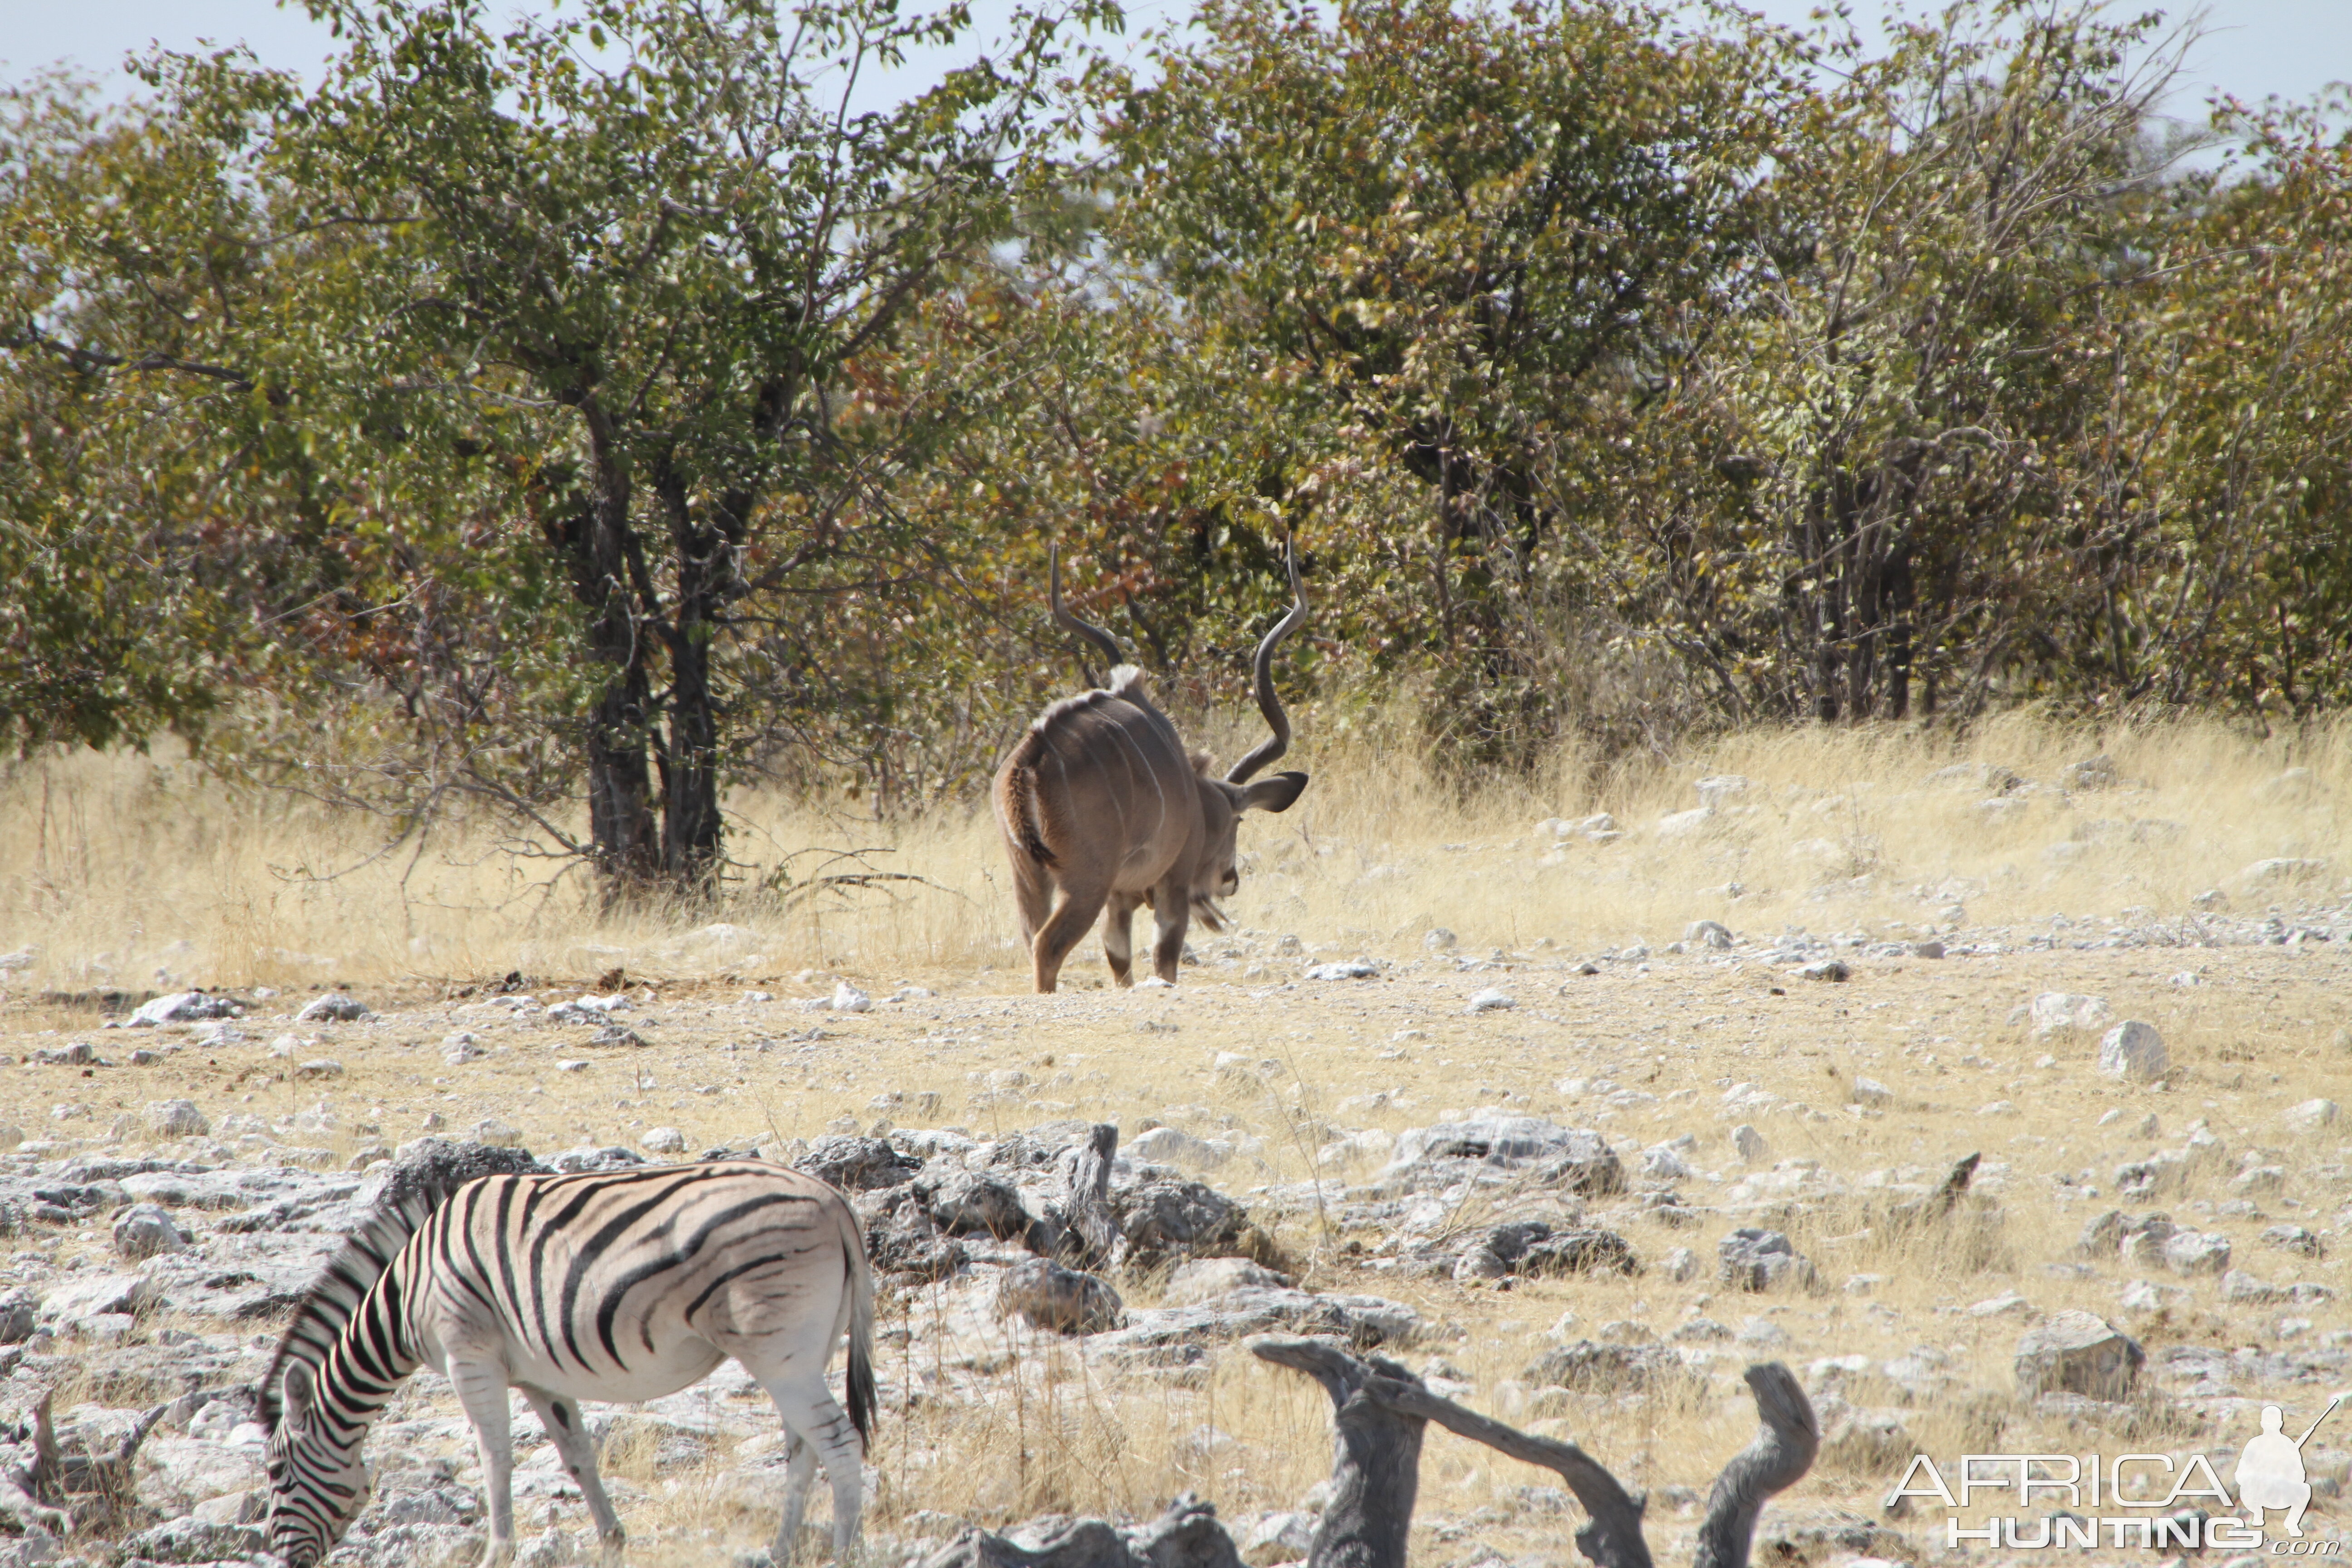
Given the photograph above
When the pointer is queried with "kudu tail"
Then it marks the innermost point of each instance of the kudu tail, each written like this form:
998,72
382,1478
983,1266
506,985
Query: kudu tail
1018,805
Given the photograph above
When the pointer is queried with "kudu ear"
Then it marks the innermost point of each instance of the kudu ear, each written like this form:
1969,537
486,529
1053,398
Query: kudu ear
1275,792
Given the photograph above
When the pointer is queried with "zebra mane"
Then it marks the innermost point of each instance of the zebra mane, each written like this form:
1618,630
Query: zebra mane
429,1173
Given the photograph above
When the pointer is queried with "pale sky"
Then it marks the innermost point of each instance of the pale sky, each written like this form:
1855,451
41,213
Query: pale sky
2254,48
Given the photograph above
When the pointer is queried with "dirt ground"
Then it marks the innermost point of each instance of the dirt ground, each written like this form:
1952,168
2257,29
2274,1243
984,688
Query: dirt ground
1305,1080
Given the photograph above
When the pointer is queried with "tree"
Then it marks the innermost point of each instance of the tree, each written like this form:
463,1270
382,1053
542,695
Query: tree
576,304
109,481
1439,237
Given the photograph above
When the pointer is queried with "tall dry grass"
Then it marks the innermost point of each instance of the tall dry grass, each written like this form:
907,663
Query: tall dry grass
134,871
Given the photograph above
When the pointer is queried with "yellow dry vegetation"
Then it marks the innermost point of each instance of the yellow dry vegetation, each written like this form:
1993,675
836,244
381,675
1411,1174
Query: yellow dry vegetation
113,868
142,872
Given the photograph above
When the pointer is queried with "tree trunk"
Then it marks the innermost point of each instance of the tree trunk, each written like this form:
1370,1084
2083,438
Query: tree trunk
692,830
620,785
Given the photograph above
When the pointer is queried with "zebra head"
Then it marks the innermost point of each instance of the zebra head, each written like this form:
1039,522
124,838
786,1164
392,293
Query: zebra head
317,1483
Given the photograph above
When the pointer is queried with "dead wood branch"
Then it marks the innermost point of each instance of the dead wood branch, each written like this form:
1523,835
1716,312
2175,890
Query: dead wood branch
1376,1459
1381,1410
1783,1451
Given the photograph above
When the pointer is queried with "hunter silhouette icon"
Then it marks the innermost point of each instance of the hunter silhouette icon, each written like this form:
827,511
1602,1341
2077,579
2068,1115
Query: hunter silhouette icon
2270,1470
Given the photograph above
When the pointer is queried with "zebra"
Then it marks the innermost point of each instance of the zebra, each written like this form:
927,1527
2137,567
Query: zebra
614,1285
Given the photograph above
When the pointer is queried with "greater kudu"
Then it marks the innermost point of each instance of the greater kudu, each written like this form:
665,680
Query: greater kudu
1101,799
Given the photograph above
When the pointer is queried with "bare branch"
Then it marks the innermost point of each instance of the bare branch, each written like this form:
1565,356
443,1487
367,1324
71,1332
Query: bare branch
1778,1457
1613,1539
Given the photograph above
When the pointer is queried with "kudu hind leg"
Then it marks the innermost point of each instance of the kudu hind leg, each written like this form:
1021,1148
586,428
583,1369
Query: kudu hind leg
1062,931
1118,936
1033,891
1173,910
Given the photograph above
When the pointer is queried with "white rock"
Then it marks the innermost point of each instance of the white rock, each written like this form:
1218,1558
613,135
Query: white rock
2310,1116
180,1007
2062,1012
497,1134
848,998
663,1141
2133,1050
335,1006
1278,1538
323,1068
2282,869
1170,1146
143,1230
1707,933
176,1119
464,1051
2197,1252
1683,823
1664,1163
1491,1001
2144,1299
1203,1279
2078,1352
571,1064
550,1548
1714,791
2008,1304
1681,1266
1870,1091
1350,969
2237,1286
104,1294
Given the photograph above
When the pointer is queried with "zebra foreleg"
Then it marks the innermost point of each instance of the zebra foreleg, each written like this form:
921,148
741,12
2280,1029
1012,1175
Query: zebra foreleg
482,1390
569,1433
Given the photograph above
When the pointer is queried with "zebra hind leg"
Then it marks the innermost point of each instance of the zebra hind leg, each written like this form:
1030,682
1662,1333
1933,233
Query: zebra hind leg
482,1388
569,1433
811,1415
800,1472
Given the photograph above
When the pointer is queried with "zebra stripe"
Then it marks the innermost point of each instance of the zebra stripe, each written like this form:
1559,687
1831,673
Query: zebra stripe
619,1286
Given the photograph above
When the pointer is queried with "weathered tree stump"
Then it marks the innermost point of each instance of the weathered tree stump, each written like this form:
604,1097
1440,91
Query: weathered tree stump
1381,1410
1089,1234
1376,1459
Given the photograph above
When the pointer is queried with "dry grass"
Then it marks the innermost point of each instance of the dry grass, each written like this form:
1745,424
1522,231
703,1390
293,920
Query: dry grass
130,872
115,867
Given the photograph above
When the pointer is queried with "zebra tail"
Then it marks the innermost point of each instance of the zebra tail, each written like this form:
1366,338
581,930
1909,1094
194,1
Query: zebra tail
862,1400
